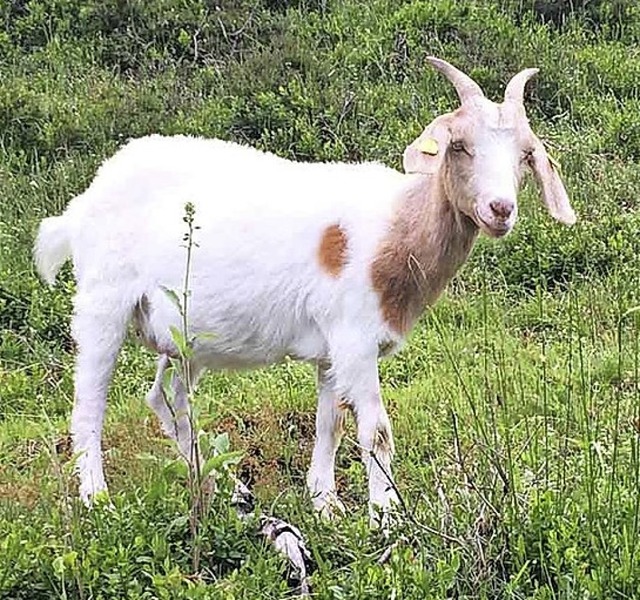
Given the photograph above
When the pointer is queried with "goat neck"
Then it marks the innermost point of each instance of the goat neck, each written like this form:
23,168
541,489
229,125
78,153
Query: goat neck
428,241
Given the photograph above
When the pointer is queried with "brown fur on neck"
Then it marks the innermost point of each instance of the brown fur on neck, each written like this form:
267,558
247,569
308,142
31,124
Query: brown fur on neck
426,244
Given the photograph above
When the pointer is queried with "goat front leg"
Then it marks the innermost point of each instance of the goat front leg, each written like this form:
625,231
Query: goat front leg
321,479
356,379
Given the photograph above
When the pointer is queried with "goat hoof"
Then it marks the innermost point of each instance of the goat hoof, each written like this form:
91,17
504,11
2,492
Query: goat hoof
382,519
381,514
94,495
97,499
329,506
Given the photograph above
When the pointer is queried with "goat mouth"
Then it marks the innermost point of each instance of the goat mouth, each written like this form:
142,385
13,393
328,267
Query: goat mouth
493,230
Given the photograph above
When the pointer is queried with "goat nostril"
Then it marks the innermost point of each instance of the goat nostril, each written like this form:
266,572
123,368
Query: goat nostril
502,208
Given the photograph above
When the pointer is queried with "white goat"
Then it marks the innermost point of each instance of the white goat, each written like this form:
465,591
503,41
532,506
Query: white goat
328,263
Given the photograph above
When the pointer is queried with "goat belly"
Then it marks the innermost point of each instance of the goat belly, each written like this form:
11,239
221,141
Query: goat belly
232,328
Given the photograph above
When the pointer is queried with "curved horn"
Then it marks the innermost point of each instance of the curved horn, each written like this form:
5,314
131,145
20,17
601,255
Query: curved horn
515,88
466,87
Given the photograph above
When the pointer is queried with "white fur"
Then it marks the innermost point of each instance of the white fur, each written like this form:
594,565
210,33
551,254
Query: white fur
52,248
256,283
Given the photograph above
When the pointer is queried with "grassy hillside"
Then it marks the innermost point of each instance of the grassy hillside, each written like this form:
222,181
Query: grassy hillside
516,403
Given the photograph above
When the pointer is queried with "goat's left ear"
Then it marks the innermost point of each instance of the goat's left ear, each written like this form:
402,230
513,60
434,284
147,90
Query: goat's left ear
554,194
426,152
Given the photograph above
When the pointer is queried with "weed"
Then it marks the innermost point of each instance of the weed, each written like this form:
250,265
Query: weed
207,456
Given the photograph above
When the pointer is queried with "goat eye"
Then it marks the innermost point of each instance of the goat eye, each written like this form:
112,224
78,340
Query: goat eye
457,145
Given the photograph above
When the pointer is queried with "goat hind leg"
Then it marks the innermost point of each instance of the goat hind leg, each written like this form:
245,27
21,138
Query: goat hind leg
98,330
174,412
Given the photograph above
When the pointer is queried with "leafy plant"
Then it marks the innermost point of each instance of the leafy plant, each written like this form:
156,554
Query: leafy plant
209,455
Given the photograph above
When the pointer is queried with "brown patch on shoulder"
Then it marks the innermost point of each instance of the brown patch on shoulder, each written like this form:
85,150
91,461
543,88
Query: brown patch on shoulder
332,252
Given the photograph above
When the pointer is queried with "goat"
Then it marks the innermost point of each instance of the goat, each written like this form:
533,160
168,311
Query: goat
328,263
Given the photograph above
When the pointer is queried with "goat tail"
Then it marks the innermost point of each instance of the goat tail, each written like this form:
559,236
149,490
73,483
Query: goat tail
52,247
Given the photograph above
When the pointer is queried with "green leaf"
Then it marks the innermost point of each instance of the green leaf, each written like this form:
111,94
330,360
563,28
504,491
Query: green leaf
70,558
215,463
148,457
177,468
180,341
167,388
101,499
204,441
221,443
180,522
58,565
173,296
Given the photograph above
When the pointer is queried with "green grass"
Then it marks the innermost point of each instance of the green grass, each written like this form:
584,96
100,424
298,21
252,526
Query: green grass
516,402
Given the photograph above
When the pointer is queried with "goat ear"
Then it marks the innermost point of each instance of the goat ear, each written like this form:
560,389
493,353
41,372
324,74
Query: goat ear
426,152
554,194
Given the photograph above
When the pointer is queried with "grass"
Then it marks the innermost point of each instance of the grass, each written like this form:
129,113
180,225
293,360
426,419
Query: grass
517,439
515,404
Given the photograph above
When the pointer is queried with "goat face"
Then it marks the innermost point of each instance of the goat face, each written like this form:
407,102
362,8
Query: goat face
481,151
485,155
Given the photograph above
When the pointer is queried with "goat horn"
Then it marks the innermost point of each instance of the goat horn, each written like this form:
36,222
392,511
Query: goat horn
515,88
466,87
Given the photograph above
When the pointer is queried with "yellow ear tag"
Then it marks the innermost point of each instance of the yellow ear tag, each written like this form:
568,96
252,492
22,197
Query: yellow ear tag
428,146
